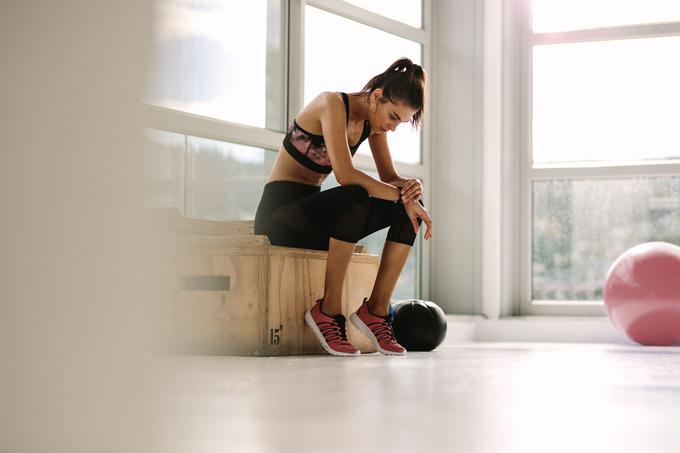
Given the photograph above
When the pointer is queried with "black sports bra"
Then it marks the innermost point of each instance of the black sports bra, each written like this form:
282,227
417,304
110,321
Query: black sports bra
310,149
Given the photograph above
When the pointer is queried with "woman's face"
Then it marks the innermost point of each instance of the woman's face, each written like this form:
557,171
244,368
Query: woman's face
386,116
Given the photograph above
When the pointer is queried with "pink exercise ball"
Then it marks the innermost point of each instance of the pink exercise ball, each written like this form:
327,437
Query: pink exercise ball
642,293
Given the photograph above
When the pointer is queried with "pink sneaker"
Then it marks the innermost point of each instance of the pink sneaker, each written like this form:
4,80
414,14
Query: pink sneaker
330,330
378,330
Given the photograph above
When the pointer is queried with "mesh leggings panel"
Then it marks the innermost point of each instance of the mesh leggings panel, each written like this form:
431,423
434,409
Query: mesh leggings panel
299,215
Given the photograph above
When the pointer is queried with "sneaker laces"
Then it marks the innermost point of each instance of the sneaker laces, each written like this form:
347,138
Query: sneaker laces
383,329
334,330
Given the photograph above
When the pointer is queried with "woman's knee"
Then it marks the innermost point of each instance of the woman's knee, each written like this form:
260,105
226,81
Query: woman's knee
402,231
402,235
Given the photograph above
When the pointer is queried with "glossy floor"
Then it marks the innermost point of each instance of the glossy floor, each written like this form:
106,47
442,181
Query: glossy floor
477,397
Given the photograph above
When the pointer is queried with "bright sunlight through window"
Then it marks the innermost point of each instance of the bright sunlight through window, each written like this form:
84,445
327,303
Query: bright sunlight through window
332,63
562,15
409,12
606,101
199,69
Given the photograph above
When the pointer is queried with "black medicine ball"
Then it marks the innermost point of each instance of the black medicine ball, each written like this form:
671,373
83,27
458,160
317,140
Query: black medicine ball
419,325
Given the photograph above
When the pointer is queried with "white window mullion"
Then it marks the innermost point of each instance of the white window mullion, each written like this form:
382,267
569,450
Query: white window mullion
424,171
277,30
372,19
607,34
296,58
201,126
612,170
565,308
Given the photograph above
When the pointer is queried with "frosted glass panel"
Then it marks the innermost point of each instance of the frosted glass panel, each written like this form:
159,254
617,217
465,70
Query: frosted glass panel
606,101
226,180
581,226
562,15
164,166
407,11
342,55
212,58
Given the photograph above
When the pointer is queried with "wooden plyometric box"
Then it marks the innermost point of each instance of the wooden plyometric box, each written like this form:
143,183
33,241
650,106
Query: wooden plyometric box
236,294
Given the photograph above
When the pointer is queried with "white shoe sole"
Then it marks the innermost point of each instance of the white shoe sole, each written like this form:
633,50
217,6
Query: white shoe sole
363,328
312,325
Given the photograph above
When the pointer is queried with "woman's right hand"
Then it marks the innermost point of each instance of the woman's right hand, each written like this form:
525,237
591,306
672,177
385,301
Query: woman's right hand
416,211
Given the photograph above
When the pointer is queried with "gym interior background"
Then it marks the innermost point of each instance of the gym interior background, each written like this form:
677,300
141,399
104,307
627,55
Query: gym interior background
550,147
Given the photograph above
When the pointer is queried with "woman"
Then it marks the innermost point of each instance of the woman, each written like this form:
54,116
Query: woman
294,212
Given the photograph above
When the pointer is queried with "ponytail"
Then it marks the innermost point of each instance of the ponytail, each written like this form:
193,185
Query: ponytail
403,82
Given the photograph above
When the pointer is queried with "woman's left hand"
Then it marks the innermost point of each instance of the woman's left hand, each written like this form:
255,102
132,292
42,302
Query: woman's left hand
415,211
412,190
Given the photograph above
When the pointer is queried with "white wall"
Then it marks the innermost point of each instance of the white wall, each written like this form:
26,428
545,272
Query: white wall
456,95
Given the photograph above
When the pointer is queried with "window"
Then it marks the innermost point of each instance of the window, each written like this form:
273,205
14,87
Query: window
580,226
204,178
610,101
216,104
221,59
346,64
407,11
225,180
228,77
551,16
602,155
164,162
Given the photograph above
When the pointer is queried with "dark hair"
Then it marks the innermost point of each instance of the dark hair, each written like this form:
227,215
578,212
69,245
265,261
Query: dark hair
403,82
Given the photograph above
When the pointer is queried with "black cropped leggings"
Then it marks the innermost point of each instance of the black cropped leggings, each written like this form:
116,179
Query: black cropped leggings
299,215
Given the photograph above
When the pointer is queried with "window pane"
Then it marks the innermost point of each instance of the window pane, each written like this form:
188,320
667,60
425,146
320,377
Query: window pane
213,58
164,163
561,15
581,226
407,285
342,55
606,101
407,11
226,179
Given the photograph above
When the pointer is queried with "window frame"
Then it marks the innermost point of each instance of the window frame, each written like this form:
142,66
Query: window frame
207,127
292,28
421,36
567,171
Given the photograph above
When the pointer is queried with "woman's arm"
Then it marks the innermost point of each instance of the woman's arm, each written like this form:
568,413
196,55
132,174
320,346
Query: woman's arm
383,159
375,188
333,125
397,181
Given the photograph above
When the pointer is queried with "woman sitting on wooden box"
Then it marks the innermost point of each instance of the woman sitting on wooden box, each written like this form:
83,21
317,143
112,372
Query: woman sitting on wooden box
295,212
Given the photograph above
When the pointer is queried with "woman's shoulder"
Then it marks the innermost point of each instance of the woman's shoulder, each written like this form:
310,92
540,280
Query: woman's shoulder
327,99
323,103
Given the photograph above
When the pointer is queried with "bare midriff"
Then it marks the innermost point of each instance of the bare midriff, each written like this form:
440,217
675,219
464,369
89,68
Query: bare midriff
288,169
